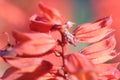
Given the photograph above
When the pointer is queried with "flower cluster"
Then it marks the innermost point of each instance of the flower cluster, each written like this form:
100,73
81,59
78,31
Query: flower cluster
41,54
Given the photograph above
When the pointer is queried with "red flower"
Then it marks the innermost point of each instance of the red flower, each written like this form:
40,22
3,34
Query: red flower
78,65
43,56
108,71
101,51
76,62
25,73
93,32
31,44
49,17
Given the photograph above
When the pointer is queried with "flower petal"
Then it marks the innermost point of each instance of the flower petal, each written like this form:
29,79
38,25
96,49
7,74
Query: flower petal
88,27
39,25
109,71
37,44
11,74
20,37
50,13
102,51
50,76
16,74
75,63
79,67
47,19
107,44
93,32
21,62
102,56
85,75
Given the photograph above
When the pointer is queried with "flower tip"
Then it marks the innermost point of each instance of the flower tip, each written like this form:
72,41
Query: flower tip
69,24
109,17
41,5
112,37
14,31
108,20
33,17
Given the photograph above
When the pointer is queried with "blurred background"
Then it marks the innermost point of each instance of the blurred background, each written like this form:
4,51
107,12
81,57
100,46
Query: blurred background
15,14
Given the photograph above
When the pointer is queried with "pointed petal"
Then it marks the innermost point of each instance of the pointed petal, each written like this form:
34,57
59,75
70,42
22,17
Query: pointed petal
34,47
20,37
101,57
22,63
75,63
102,51
11,74
86,75
47,19
88,27
93,36
49,76
38,44
107,44
109,71
79,67
16,74
50,13
93,32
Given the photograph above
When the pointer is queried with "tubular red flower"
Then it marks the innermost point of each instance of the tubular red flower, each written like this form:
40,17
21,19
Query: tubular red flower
101,51
108,71
108,43
48,18
93,32
87,75
79,67
39,25
16,74
43,56
76,62
50,13
22,63
31,44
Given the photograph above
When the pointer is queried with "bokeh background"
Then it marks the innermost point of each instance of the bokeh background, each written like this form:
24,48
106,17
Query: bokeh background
15,14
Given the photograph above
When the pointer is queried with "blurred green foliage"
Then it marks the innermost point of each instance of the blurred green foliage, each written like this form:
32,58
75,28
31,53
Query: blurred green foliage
83,13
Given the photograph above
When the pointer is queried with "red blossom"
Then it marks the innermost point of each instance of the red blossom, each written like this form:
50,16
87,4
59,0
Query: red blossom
24,63
33,43
79,66
87,75
108,43
108,71
76,62
93,32
48,18
42,54
16,74
101,51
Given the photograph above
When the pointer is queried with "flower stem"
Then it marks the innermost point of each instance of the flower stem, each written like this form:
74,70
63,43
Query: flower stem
63,46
